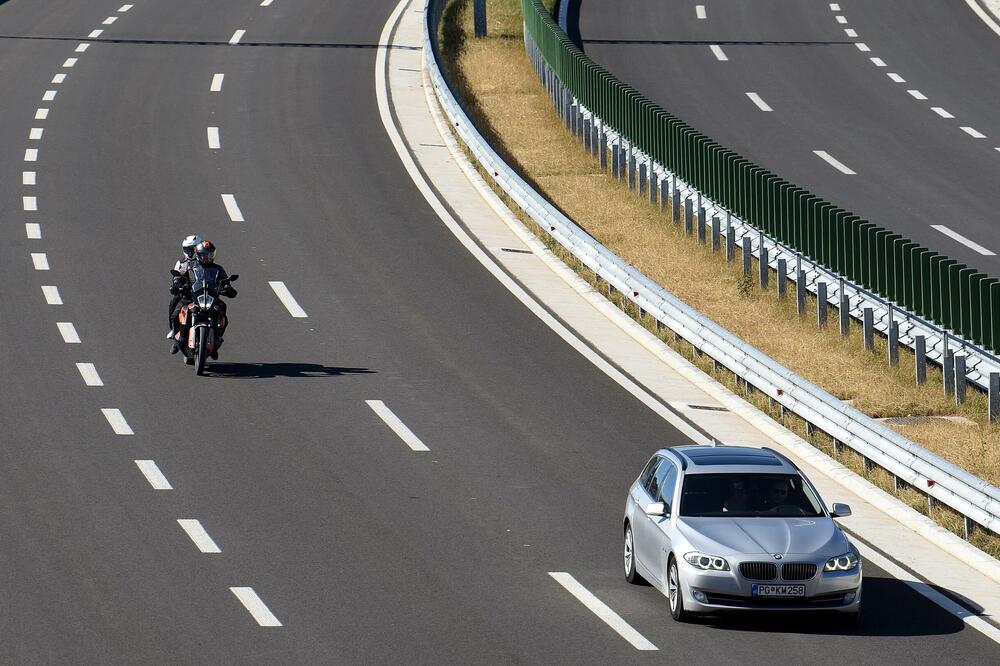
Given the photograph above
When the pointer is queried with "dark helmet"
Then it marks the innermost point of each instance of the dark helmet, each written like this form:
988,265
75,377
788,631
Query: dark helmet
205,252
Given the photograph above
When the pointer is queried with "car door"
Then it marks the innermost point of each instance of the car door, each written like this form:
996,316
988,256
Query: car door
641,498
651,537
662,526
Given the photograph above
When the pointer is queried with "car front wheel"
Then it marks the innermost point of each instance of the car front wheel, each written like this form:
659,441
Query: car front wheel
629,555
674,594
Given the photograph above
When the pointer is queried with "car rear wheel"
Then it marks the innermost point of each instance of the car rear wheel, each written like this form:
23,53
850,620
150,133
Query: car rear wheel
630,573
674,594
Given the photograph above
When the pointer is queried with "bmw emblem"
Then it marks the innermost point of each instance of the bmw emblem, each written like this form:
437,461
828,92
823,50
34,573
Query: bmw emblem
777,556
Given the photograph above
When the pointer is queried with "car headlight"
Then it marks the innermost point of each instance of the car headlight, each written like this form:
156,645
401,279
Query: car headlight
707,562
845,562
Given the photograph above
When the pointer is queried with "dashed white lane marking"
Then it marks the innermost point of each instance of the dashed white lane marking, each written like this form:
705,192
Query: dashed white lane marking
878,62
237,36
862,47
198,535
58,78
761,104
30,203
841,19
213,138
396,425
217,82
124,8
834,7
41,114
153,475
719,53
40,261
68,332
51,294
973,132
235,214
89,374
255,606
917,94
35,133
699,11
117,421
836,164
896,77
33,230
265,3
49,96
69,62
94,34
929,592
850,32
954,235
941,112
81,47
31,155
997,149
109,20
602,610
286,298
28,177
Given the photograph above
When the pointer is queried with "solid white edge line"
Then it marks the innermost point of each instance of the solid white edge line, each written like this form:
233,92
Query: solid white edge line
33,230
835,163
973,132
235,214
602,610
699,12
68,332
719,53
40,261
214,141
117,421
981,13
217,82
153,474
954,235
927,591
941,112
198,535
257,609
237,36
89,373
286,298
536,308
51,294
761,104
396,425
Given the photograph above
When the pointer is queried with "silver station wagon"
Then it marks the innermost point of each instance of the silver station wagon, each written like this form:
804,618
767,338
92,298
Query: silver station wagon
730,528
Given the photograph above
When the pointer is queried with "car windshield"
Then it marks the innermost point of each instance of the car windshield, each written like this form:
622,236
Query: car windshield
747,495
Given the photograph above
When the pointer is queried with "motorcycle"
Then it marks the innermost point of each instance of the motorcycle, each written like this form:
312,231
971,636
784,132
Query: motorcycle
202,317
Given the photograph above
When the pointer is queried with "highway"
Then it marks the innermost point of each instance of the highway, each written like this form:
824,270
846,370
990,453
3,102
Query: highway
268,512
884,108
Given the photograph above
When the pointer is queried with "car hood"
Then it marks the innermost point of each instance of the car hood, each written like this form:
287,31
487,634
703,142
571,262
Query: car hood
771,536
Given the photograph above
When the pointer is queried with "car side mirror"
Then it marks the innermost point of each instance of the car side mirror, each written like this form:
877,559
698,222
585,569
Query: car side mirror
657,509
840,510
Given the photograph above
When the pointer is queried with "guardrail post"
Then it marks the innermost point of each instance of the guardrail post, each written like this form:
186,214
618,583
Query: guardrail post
920,358
630,168
800,288
642,179
747,256
845,311
578,127
869,324
993,401
653,181
960,380
730,239
615,159
821,304
701,224
479,17
595,136
893,344
688,213
716,232
604,150
587,144
782,278
948,370
675,201
664,193
765,271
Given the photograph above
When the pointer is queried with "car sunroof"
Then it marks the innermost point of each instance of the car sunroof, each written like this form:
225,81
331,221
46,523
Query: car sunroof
710,457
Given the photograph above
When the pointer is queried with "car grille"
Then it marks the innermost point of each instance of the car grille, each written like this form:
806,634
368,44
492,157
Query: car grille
798,570
759,570
834,600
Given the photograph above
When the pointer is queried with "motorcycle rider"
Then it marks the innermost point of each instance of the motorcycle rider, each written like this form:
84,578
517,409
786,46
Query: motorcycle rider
204,256
181,266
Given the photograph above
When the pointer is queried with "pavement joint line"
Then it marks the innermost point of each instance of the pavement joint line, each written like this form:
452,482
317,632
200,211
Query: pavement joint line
941,112
286,298
235,214
198,535
68,332
82,47
835,163
973,132
761,104
153,474
396,425
117,421
94,34
89,373
35,133
58,78
217,82
40,261
41,114
109,20
237,36
30,203
602,610
954,235
69,62
862,47
33,230
896,77
255,606
31,155
916,94
718,52
214,142
51,294
29,177
699,12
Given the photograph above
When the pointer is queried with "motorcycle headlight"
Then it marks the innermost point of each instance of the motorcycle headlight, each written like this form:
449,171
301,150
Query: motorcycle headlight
845,562
707,562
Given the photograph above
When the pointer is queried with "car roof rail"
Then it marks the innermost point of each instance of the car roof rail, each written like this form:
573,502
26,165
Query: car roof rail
781,457
682,459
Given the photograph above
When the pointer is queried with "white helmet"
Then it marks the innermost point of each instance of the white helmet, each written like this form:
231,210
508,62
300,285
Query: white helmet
189,244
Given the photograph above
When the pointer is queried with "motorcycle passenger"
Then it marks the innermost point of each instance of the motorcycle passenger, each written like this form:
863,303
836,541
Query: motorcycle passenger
204,255
181,266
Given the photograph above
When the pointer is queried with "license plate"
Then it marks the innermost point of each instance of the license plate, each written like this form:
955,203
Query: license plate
759,590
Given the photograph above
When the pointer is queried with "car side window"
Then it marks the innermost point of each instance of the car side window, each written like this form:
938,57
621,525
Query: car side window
668,484
648,476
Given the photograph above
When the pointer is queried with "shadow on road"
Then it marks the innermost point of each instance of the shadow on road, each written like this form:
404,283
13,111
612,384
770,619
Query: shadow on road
269,370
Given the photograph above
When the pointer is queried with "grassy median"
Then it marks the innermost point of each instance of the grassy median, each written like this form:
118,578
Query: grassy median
508,104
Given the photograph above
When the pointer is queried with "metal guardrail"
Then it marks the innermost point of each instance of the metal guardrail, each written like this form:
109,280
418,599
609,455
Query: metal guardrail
970,496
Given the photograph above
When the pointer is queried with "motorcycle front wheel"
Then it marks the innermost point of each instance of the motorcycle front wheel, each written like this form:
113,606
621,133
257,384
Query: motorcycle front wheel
201,351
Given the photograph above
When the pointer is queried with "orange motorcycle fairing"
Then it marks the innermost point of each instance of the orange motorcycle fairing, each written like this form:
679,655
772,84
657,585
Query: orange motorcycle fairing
183,314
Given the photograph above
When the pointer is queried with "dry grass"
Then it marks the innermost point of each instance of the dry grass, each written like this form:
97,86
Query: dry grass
510,107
